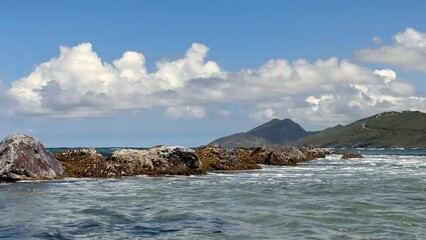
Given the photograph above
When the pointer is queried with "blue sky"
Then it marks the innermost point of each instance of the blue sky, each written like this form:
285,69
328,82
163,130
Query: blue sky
199,70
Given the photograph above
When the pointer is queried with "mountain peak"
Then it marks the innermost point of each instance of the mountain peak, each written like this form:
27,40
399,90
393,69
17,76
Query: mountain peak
287,120
273,132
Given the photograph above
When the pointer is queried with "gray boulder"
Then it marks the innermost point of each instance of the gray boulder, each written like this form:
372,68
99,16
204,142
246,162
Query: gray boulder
160,160
25,158
278,155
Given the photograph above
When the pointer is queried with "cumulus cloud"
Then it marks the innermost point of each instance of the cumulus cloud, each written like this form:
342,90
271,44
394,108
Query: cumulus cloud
78,83
387,74
408,51
316,102
190,67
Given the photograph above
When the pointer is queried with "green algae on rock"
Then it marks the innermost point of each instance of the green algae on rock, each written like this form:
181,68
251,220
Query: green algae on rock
155,161
88,163
217,158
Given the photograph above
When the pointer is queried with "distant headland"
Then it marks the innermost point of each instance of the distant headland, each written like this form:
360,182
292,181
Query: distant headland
405,129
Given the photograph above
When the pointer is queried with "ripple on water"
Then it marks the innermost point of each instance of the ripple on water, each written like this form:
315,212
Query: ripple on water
378,197
51,234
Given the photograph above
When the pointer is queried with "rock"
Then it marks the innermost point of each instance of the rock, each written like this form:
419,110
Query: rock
159,160
252,155
281,155
156,161
217,158
313,153
351,155
87,162
25,158
278,155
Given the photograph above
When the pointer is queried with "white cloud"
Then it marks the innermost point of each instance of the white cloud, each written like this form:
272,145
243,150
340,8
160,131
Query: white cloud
131,66
387,74
315,102
408,51
264,115
402,88
377,40
186,112
411,38
78,83
280,77
190,67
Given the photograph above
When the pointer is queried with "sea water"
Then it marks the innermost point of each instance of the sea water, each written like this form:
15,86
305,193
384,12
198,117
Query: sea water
382,196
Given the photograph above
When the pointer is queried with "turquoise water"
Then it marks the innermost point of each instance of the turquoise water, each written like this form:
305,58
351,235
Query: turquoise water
378,197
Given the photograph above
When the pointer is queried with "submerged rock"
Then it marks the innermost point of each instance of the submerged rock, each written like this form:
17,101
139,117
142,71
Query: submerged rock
351,155
160,160
217,158
313,153
25,158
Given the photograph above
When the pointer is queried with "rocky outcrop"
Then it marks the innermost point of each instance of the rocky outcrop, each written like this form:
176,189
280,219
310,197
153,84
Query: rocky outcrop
351,155
155,161
87,162
25,158
163,160
160,160
277,155
313,153
217,158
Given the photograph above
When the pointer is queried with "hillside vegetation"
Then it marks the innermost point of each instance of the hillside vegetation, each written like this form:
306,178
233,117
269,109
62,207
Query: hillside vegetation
387,130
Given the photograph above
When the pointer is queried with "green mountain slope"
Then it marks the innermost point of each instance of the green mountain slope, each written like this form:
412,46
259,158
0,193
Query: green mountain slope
389,129
273,132
240,140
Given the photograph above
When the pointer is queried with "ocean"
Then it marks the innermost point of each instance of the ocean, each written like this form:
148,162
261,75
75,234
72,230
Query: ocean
382,196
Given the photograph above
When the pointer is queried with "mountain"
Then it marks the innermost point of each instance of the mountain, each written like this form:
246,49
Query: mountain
273,132
385,130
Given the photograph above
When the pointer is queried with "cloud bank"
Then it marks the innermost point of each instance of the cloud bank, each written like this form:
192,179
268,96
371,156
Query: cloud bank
78,83
408,51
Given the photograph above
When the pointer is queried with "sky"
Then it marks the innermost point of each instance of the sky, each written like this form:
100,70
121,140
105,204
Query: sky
143,73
